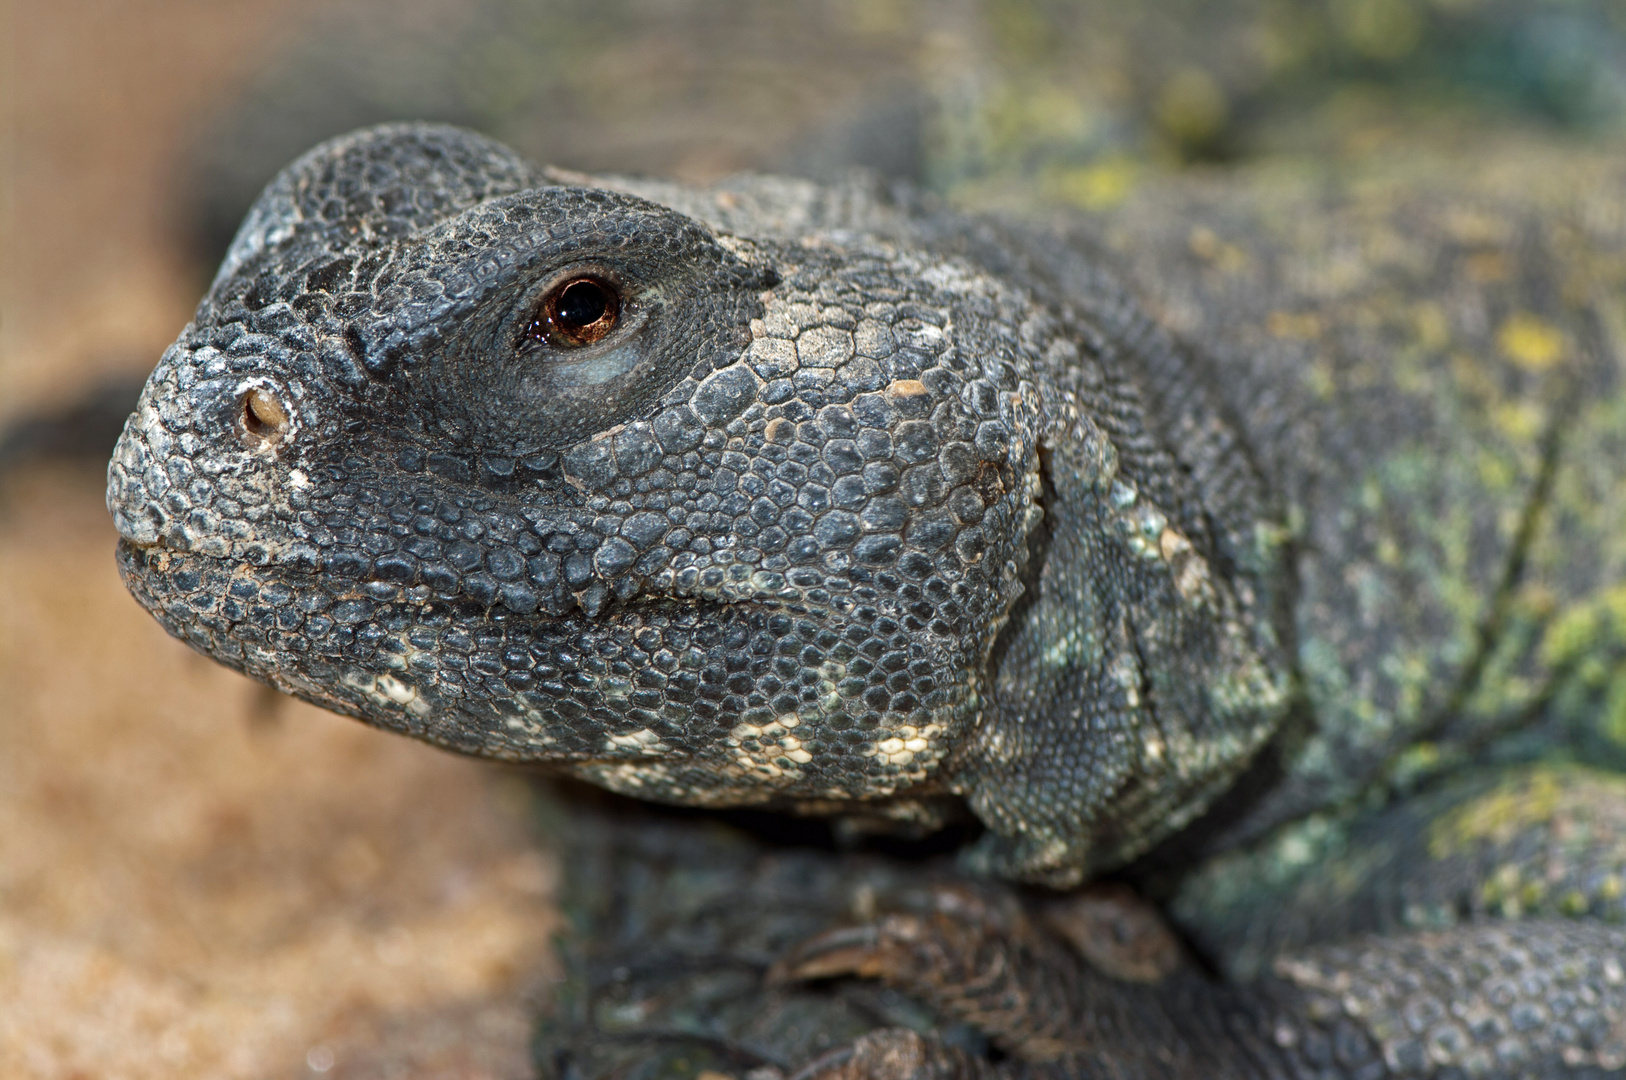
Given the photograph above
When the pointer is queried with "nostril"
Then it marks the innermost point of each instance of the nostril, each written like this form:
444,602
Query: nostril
262,418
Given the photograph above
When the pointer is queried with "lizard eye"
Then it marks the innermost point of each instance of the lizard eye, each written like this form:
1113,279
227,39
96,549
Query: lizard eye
577,312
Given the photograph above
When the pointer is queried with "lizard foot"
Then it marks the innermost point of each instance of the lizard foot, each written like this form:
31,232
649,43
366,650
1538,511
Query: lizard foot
984,957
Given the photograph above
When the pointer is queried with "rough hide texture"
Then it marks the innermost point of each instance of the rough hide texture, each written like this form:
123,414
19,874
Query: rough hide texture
771,540
828,499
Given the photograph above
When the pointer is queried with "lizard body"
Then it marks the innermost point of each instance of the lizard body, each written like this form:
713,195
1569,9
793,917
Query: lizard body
822,498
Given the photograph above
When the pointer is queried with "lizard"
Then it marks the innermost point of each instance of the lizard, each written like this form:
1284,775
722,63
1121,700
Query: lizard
829,499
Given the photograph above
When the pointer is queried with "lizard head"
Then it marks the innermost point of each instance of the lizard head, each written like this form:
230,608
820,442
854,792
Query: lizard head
559,474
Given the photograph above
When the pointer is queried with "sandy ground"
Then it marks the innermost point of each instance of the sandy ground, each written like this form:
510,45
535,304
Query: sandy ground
198,878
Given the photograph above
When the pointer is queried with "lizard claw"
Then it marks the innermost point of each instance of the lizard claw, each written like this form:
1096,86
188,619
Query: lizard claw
851,950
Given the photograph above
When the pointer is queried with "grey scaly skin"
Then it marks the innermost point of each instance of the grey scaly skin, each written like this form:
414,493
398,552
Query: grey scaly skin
817,499
758,545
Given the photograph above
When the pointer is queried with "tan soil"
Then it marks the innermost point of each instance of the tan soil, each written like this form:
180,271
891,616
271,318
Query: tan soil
198,878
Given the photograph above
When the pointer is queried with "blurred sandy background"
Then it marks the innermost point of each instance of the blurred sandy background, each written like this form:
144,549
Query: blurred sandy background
199,878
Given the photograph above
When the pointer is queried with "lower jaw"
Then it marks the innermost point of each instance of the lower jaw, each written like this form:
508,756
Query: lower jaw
335,648
345,652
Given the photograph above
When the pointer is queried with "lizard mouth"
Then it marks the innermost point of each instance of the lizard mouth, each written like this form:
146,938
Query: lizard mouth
684,700
449,671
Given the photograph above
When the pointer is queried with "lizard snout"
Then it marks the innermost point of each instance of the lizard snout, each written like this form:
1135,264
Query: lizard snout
196,458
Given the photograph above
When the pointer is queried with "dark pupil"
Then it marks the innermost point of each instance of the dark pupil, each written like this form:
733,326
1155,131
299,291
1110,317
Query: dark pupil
582,304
